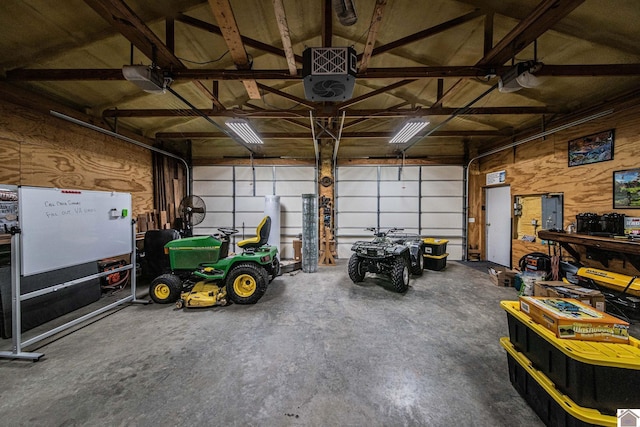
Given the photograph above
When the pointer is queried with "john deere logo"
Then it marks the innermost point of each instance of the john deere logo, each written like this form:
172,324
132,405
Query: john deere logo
628,417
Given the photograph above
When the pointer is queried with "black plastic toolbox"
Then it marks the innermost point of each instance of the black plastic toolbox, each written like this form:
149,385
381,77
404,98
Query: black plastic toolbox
553,408
603,376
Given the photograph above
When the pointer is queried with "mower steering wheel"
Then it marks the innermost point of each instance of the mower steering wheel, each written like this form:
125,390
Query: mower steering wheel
228,231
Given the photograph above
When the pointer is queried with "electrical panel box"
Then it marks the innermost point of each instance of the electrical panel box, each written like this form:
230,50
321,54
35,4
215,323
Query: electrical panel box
552,207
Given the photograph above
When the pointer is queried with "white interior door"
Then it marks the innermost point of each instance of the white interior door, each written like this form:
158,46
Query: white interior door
498,225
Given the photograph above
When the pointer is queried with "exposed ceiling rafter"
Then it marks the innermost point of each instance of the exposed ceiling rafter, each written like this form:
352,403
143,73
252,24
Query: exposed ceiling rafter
224,16
376,20
125,21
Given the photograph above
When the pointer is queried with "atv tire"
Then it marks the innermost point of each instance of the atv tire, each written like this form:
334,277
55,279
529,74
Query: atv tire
400,275
419,267
165,289
355,269
246,283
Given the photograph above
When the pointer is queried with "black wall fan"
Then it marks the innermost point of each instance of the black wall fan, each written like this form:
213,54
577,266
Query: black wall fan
192,211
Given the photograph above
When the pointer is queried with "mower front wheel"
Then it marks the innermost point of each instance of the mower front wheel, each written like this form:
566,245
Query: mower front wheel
165,289
246,283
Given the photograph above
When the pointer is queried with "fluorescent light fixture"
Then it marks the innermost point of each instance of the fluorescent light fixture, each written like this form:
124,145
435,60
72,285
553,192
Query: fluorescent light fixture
408,131
244,131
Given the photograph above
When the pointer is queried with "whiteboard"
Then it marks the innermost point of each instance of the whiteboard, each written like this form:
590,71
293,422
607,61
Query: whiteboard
61,228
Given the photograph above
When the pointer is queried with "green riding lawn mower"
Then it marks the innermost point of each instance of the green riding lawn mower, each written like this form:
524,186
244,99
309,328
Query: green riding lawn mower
204,274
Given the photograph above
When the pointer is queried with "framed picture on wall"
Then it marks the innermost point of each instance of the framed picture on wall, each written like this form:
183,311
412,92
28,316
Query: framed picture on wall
626,189
591,148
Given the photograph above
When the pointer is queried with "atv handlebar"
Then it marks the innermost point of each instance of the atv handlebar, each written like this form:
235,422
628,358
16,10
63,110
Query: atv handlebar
378,233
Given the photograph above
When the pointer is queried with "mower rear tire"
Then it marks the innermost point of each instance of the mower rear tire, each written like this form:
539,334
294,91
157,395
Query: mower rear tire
275,269
356,274
246,283
400,274
165,289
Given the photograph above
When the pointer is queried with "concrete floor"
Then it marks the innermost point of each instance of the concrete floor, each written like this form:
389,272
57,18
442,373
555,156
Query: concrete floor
317,350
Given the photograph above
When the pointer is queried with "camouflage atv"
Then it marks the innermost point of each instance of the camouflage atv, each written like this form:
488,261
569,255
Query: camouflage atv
389,253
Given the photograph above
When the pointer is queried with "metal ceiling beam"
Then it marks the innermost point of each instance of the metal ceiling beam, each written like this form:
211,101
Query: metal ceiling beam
345,135
247,41
293,98
283,27
540,20
209,94
426,33
123,19
329,113
376,20
357,99
327,23
226,20
110,74
292,121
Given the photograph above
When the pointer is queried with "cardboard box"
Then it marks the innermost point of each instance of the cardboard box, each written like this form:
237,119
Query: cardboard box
559,289
502,276
569,318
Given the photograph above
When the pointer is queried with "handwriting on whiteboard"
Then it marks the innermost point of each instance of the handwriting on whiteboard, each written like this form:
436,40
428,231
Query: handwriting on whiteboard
67,208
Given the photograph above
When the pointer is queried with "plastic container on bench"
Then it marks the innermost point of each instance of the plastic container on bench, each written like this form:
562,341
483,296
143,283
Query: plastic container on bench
603,376
553,408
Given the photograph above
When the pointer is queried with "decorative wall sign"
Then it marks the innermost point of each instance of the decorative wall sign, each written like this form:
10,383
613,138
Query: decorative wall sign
494,178
626,189
591,149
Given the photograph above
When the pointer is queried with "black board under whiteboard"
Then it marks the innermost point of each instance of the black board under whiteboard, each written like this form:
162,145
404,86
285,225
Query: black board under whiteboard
61,228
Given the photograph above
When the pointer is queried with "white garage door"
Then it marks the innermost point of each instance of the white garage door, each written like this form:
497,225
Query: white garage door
234,196
421,199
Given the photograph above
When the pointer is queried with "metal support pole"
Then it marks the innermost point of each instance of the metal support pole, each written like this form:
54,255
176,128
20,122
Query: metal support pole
16,316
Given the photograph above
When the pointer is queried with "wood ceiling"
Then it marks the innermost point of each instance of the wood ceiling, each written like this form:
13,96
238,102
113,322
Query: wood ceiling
436,59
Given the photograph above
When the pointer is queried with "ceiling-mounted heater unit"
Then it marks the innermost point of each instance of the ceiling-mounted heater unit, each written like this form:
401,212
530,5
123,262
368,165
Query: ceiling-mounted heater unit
329,73
149,79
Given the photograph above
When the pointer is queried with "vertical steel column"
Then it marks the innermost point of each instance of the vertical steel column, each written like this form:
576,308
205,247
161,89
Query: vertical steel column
16,315
309,233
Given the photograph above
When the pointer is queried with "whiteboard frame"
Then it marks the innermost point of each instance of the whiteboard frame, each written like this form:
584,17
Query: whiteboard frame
61,227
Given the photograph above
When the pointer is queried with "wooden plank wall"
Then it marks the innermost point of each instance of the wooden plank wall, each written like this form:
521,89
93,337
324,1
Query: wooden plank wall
40,150
541,166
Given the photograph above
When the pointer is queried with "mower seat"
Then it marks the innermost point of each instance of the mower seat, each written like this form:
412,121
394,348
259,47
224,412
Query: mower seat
262,235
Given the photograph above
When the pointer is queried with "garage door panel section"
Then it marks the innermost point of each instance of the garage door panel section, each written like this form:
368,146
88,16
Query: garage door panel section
391,173
246,188
441,173
358,173
215,220
290,173
213,188
408,221
294,188
441,204
262,173
441,220
442,188
358,204
399,204
213,173
357,188
250,204
399,188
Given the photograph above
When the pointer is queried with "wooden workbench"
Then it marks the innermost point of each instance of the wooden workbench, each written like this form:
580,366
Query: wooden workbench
628,250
